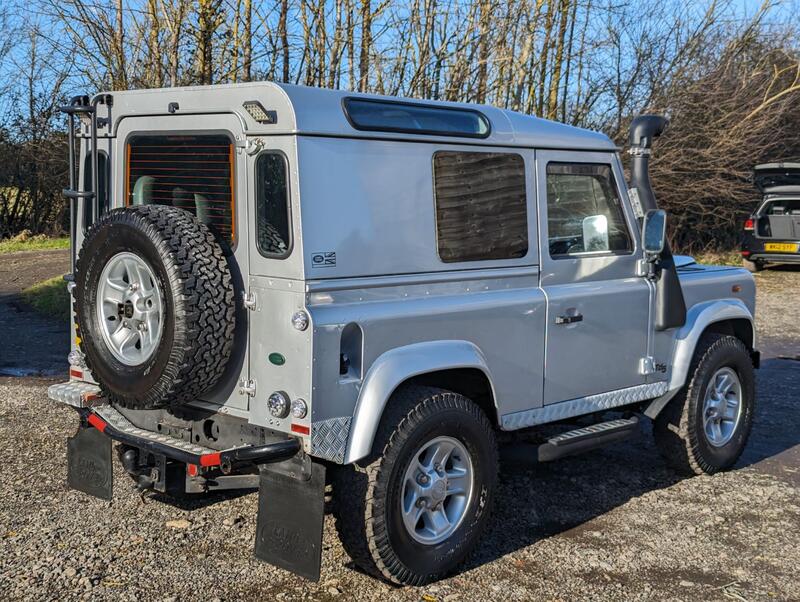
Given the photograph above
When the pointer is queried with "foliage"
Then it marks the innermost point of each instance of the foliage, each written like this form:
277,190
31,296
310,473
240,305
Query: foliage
730,81
25,241
49,297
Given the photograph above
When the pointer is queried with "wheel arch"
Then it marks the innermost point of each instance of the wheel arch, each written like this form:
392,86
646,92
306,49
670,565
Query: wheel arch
726,316
456,365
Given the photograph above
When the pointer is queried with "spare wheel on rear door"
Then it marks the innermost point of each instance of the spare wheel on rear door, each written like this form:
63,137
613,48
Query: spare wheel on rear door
154,304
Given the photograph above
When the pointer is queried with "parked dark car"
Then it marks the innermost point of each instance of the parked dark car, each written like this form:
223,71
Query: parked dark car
772,232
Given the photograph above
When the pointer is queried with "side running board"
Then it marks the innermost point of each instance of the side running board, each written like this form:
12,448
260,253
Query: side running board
587,438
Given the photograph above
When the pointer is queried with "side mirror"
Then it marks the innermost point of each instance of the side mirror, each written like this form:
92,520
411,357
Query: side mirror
654,232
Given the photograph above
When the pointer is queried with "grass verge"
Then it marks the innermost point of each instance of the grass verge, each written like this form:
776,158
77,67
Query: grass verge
719,258
49,297
34,243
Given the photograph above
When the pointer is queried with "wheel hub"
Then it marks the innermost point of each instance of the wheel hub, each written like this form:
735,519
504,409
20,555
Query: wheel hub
129,308
722,406
437,489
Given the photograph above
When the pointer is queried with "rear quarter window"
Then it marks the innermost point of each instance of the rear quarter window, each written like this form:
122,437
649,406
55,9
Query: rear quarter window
481,206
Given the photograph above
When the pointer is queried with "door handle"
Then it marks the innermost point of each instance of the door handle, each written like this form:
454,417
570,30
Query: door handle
569,319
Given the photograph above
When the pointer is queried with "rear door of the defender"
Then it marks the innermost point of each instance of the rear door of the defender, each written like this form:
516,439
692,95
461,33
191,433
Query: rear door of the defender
196,163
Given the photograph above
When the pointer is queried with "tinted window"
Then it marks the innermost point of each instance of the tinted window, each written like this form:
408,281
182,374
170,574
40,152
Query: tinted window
194,173
584,211
782,207
412,118
102,185
272,205
481,207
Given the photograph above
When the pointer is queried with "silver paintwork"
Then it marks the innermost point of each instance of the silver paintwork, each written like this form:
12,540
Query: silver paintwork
436,490
699,317
394,367
368,197
129,308
583,405
722,406
318,112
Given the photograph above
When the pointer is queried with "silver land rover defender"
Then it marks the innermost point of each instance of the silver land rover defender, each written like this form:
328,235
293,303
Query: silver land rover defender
286,288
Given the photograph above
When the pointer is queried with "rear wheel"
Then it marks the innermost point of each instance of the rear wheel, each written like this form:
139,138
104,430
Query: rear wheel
704,429
416,509
752,266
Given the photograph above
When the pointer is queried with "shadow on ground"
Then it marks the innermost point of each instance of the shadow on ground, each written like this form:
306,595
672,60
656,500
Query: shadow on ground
560,497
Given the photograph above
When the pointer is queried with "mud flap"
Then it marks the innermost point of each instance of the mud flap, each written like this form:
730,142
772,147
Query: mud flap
291,509
89,466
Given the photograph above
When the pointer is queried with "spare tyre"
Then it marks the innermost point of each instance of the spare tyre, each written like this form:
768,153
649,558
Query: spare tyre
154,306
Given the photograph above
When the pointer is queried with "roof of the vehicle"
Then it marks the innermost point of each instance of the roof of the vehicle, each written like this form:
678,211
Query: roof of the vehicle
307,110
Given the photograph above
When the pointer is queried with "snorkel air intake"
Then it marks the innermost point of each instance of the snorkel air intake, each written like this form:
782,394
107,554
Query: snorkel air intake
644,129
670,305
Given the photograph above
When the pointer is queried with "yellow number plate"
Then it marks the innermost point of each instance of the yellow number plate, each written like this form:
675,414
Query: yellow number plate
781,247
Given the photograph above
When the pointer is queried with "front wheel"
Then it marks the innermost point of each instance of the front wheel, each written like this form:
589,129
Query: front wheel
704,429
416,509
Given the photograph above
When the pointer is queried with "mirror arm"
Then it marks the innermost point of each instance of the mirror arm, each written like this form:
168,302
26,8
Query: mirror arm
653,262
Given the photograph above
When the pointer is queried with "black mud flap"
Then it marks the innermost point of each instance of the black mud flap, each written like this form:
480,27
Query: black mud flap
89,466
291,510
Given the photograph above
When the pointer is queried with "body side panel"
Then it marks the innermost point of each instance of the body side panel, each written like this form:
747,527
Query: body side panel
495,324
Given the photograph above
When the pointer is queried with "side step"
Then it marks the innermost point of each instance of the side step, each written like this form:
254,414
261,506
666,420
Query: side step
587,438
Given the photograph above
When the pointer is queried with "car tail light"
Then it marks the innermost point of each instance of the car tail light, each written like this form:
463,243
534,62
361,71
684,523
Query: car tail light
748,225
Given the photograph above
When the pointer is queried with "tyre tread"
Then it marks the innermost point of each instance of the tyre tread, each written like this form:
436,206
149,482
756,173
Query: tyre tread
359,507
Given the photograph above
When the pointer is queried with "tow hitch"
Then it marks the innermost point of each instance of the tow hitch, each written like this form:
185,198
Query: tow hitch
291,487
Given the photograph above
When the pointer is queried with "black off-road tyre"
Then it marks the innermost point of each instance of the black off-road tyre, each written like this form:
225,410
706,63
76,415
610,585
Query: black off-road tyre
752,266
366,496
198,300
678,429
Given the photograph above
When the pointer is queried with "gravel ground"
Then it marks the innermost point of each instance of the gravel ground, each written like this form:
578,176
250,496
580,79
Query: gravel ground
777,311
612,525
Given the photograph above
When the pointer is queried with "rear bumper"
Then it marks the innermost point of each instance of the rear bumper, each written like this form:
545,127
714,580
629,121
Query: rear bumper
753,248
116,427
774,257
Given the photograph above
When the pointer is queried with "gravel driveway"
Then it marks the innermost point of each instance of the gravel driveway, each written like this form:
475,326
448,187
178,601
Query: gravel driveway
611,525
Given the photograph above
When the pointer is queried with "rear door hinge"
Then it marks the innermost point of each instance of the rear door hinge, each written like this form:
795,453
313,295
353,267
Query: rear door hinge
647,365
247,387
250,300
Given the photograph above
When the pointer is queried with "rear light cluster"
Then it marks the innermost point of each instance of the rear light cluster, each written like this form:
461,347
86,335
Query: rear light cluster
749,225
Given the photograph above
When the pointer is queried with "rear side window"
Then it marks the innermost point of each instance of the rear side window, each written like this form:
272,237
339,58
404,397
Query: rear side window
481,206
194,173
272,205
782,207
584,211
413,118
